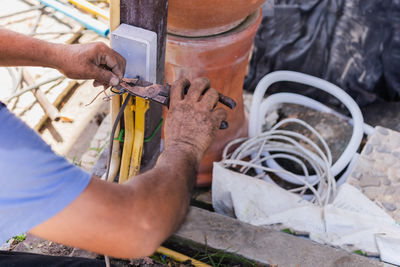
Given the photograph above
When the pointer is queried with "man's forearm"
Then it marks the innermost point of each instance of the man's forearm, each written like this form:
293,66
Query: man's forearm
168,187
129,220
20,50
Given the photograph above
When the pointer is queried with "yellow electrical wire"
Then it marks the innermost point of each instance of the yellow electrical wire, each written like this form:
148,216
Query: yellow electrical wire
179,257
128,142
89,7
141,108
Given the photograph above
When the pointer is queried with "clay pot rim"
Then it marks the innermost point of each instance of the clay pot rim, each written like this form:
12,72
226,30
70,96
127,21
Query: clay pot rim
250,21
208,32
195,18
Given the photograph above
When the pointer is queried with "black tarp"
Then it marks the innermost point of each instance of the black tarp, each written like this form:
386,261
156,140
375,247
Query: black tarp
354,44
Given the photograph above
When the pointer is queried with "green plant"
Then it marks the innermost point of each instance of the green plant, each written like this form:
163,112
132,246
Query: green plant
98,149
288,231
74,161
360,252
159,258
20,238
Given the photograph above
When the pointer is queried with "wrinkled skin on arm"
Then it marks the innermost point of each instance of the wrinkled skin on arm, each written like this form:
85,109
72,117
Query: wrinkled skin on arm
131,220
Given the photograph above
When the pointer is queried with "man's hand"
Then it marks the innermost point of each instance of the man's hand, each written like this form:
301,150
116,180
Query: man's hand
91,61
192,122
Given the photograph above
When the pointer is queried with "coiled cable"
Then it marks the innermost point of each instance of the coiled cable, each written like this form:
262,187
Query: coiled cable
283,144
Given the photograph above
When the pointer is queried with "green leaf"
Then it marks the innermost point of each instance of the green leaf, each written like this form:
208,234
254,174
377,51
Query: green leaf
288,231
20,238
360,252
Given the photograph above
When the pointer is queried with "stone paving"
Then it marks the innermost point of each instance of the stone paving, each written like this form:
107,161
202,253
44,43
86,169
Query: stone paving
377,172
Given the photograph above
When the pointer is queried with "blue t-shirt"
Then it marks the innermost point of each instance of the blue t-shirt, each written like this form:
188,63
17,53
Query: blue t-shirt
35,183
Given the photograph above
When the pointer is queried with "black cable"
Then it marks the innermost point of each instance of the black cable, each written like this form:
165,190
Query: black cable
114,128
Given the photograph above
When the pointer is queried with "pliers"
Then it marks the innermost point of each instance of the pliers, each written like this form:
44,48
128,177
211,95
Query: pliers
161,93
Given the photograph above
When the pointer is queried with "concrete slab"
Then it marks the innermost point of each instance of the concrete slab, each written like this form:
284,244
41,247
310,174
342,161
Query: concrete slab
260,244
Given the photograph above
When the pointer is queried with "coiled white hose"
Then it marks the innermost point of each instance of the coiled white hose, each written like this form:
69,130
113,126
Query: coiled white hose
264,148
358,122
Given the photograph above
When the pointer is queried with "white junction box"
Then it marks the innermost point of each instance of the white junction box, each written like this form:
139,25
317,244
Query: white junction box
139,47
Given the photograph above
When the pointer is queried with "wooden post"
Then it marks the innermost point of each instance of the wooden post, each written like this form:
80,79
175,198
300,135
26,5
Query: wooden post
115,104
150,15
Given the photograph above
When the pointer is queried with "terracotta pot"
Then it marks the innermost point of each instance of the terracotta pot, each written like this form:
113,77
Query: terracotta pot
208,17
224,60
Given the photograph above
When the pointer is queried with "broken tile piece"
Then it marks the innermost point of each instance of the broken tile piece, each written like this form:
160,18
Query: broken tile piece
390,190
390,161
386,181
368,180
368,149
396,154
357,175
382,149
389,206
372,192
378,174
374,141
382,130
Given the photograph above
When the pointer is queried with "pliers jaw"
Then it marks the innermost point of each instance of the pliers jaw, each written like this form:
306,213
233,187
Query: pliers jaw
149,91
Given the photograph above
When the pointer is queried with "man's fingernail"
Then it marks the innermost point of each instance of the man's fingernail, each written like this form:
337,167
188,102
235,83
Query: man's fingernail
114,81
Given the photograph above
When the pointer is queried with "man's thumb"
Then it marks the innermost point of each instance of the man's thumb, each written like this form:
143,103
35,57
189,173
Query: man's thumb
114,81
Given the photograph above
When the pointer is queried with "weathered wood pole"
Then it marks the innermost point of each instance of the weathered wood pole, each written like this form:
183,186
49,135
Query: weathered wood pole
150,15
